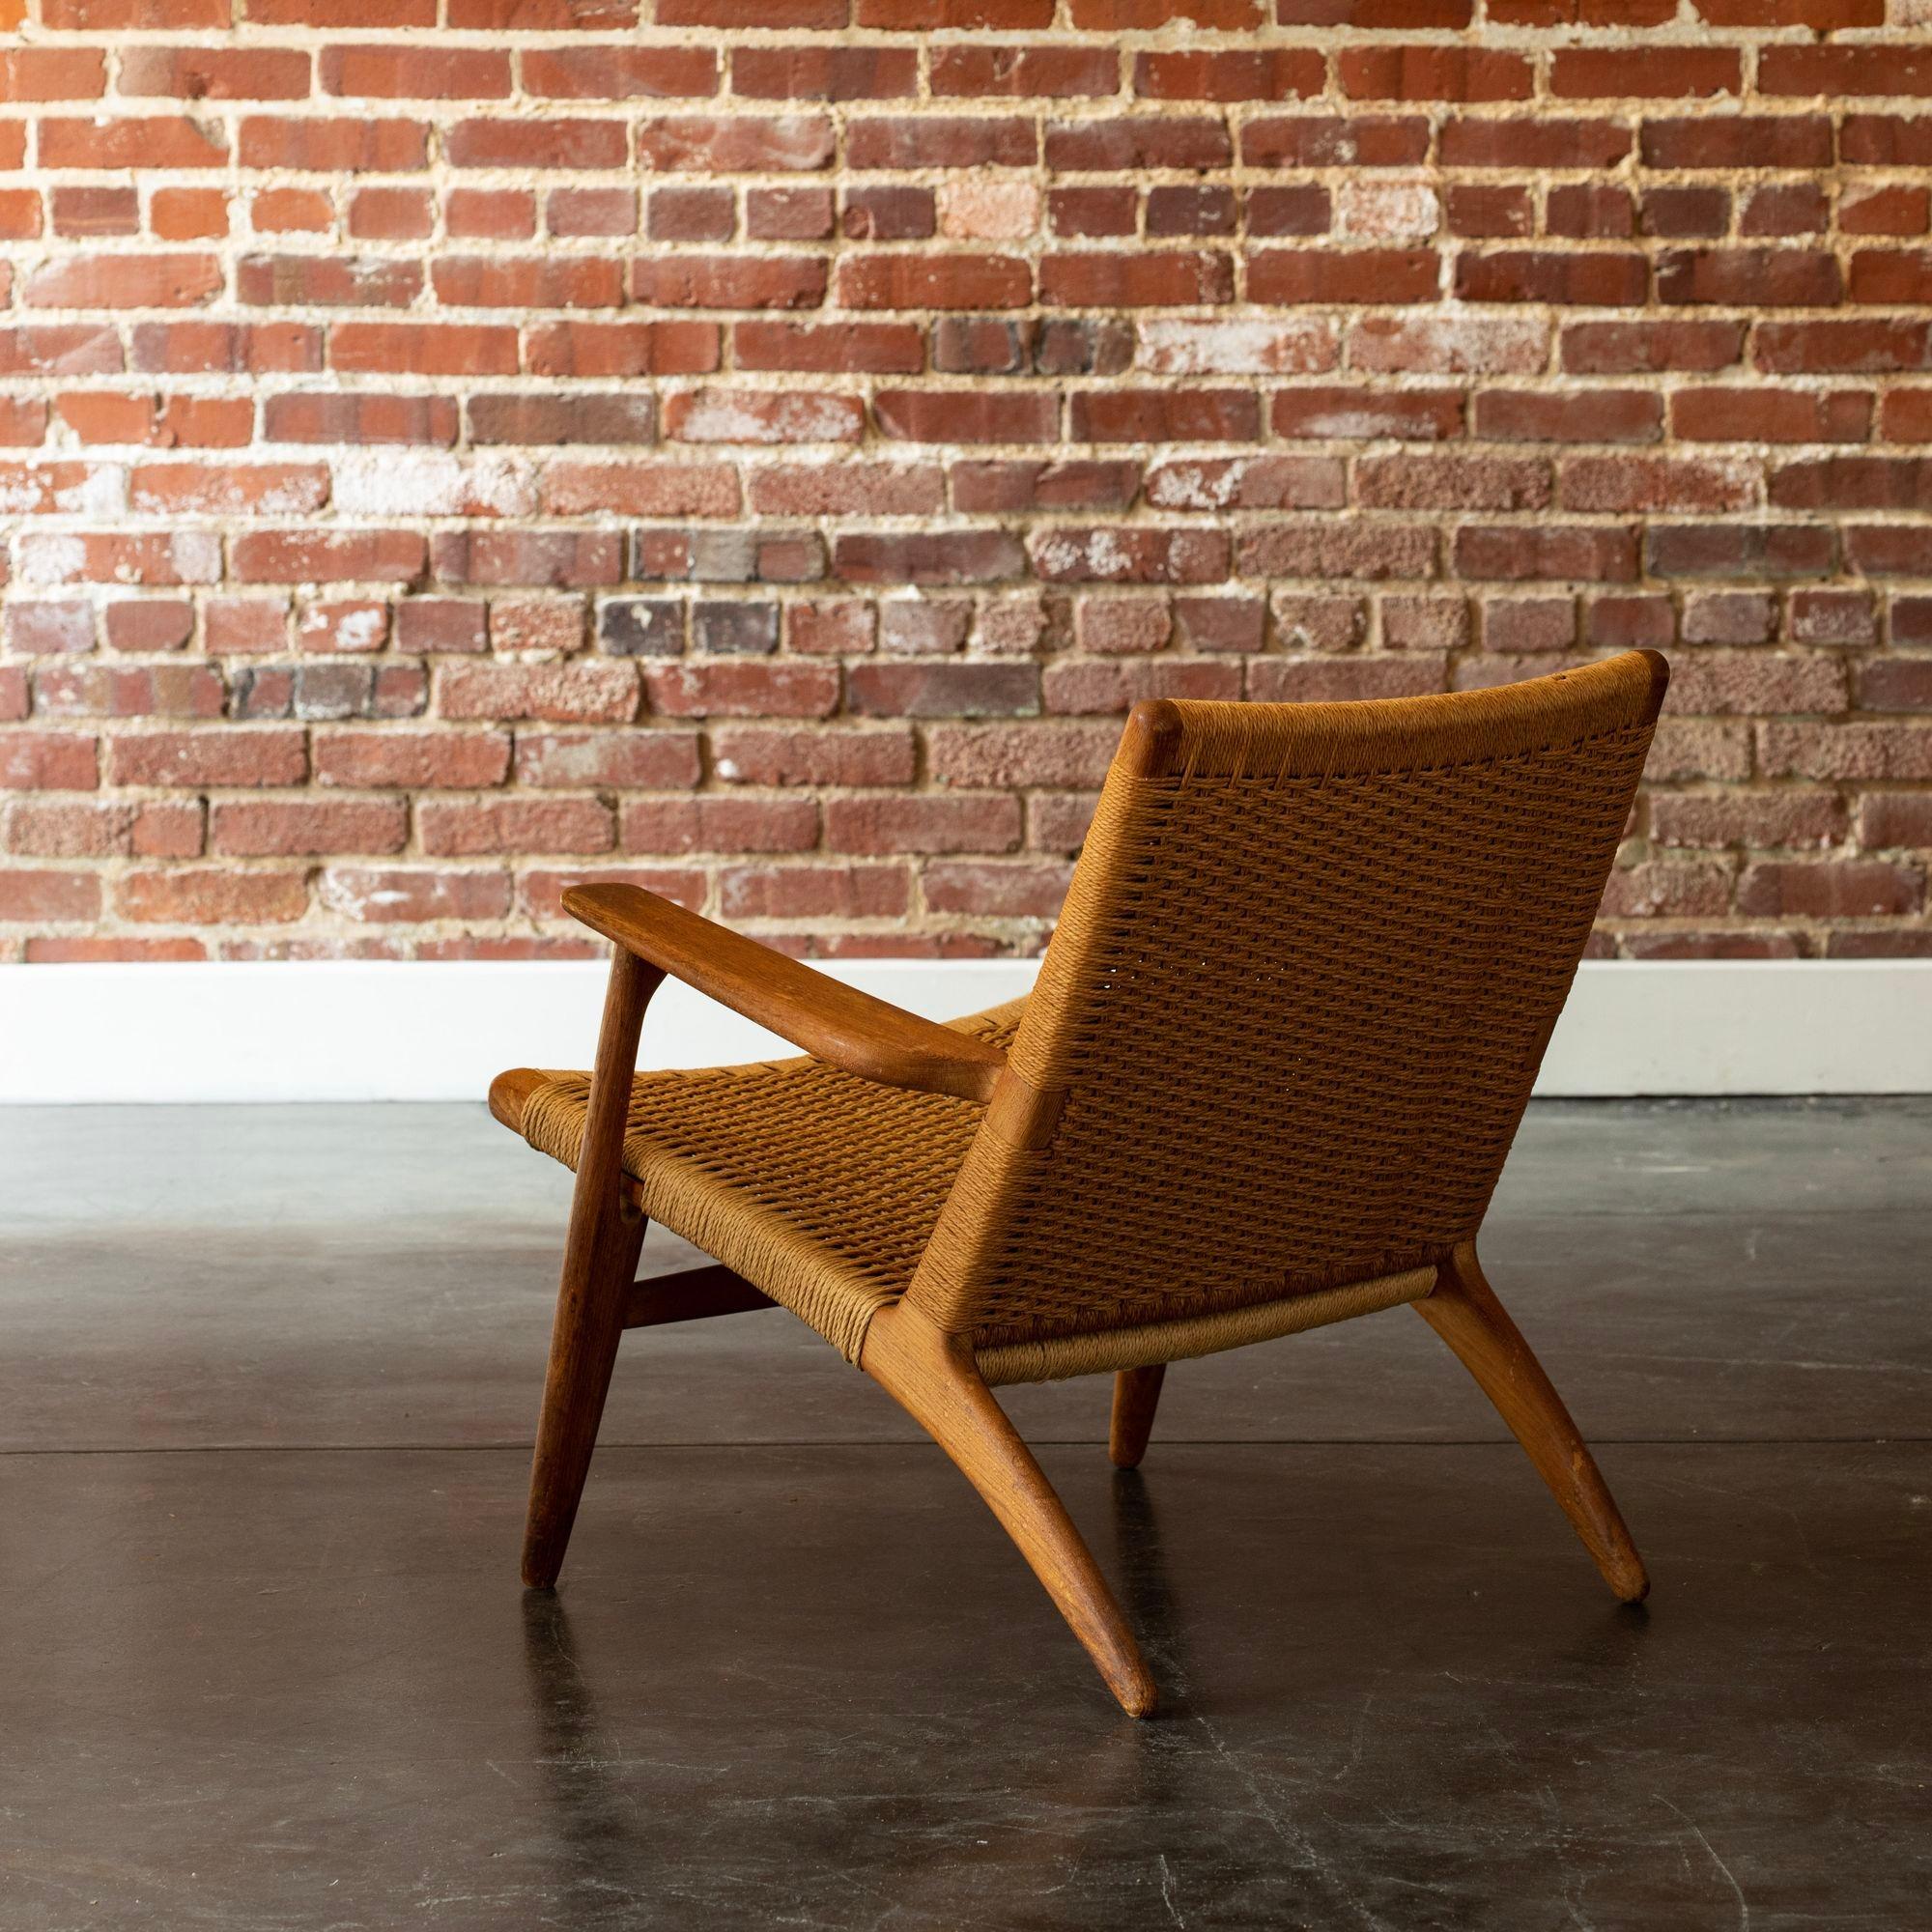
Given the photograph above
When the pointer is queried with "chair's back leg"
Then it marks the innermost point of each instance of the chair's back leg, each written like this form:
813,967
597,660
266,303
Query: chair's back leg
933,1377
600,1263
1463,1310
1136,1396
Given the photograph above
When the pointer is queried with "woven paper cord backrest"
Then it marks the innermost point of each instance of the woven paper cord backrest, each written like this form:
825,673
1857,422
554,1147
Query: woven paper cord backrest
1307,969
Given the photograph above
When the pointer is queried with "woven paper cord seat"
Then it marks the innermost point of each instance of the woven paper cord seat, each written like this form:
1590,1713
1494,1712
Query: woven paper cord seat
818,1187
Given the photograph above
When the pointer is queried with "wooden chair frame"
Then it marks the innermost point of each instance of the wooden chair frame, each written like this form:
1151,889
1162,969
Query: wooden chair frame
931,1374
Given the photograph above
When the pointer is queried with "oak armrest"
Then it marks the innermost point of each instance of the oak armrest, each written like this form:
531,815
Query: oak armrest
834,1022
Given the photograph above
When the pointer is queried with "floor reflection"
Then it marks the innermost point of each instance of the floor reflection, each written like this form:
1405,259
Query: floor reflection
601,1825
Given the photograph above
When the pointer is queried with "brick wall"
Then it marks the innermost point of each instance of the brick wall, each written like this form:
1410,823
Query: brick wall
761,446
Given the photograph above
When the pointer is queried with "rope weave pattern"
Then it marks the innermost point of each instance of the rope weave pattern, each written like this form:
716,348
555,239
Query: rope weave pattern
818,1186
1298,994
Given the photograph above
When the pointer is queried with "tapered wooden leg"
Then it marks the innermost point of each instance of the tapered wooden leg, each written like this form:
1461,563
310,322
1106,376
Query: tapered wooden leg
931,1376
1136,1396
1463,1310
600,1263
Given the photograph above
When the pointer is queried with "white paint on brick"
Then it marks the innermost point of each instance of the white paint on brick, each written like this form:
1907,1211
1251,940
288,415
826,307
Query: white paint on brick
987,211
1447,343
724,415
1247,347
1385,211
393,483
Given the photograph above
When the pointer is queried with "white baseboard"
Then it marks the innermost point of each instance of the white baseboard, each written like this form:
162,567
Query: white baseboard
389,1031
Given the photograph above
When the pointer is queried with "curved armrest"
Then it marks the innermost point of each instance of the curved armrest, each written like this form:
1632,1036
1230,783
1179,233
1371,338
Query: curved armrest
834,1022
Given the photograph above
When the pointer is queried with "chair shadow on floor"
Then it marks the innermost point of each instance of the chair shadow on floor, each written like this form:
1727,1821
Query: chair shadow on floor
611,1841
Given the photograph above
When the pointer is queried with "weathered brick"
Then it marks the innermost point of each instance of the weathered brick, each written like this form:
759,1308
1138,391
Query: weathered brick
366,430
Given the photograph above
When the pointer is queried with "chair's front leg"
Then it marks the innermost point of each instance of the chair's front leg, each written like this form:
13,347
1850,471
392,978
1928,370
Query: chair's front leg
933,1379
600,1263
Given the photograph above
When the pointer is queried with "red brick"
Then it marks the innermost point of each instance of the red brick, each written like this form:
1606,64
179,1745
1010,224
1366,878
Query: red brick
1084,687
847,489
1133,553
470,828
358,417
740,689
933,280
668,488
948,556
148,624
832,756
1661,71
230,755
737,144
732,825
1547,141
411,760
210,896
399,71
1337,549
1353,276
1275,74
290,828
823,890
348,145
47,896
1015,889
619,73
1321,680
809,72
1658,484
413,894
1328,413
1043,72
391,213
967,416
64,828
213,73
1577,416
1732,414
1330,140
621,348
1767,277
1518,552
1753,682
1841,889
881,348
556,693
1596,278
657,759
1641,348
123,281
1460,482
322,281
128,690
887,825
476,281
1010,473
727,281
942,688
143,141
1432,72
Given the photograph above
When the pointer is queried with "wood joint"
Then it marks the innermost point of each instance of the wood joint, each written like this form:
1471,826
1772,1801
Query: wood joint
1022,1114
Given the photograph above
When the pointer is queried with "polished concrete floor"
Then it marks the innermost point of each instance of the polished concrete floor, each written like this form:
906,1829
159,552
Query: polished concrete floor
265,1400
